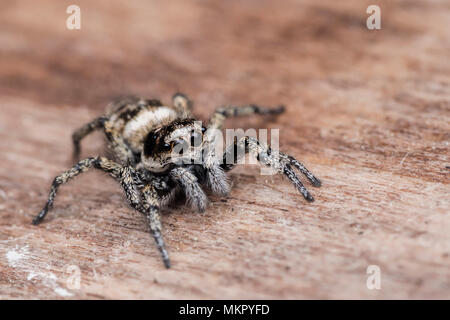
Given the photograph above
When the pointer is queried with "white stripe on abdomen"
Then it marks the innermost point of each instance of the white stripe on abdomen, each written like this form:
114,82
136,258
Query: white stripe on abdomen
148,119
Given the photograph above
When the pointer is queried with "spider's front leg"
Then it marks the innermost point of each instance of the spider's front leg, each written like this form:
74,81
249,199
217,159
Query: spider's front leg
150,208
217,179
281,162
189,184
123,174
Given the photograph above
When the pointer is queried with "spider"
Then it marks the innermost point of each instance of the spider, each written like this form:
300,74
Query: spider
160,151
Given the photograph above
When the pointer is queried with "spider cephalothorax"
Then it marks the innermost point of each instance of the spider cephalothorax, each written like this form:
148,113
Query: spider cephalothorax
159,151
179,143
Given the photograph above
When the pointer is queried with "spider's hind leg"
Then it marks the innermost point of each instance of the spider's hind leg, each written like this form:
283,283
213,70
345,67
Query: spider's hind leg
82,132
182,103
281,162
123,174
221,114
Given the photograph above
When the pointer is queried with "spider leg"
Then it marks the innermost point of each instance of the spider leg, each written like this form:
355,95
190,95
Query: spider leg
314,181
217,179
82,132
182,103
189,183
151,204
123,174
222,113
288,172
279,161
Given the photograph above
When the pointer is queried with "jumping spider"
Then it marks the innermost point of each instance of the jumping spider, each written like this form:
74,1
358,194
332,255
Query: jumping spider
142,136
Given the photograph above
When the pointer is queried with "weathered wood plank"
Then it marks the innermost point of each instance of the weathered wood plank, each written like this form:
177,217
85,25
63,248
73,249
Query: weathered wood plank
367,111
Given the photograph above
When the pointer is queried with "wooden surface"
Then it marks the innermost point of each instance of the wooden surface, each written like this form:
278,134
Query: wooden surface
367,111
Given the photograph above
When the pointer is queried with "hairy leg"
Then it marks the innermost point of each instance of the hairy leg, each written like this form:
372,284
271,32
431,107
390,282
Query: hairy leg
279,161
221,114
188,182
182,103
217,179
118,146
151,205
82,132
123,174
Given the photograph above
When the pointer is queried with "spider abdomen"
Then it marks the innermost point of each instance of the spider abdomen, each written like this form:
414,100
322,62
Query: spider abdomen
137,128
131,119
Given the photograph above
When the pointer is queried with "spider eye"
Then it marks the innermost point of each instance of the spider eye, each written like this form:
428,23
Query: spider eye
166,146
203,130
149,144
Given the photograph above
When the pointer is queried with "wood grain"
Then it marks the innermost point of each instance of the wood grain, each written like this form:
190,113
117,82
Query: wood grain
367,111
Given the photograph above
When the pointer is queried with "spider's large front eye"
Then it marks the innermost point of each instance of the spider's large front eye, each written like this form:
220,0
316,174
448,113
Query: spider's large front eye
166,146
149,144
